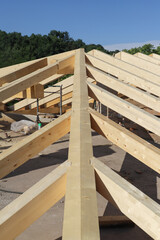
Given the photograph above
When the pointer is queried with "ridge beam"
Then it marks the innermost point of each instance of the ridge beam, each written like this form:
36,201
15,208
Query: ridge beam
80,213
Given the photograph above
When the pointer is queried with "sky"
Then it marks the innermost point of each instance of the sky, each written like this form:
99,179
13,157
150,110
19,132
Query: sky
114,24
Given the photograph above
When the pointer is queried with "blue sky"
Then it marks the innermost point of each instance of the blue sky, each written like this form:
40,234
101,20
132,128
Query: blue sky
110,22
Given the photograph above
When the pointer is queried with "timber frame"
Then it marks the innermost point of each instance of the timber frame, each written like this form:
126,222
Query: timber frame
135,77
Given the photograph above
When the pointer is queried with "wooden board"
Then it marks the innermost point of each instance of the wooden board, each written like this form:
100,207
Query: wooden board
22,151
80,213
27,208
137,206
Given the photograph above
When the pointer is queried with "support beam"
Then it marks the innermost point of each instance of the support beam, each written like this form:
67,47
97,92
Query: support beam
48,96
154,55
80,213
110,221
124,75
24,150
32,204
147,58
44,82
133,203
132,59
121,87
35,77
23,71
136,70
128,141
125,108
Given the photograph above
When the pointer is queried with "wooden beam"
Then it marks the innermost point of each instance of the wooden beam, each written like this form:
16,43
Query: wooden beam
32,204
44,82
132,59
23,71
124,88
147,58
52,109
24,150
154,55
124,75
133,203
33,78
125,108
80,213
128,141
48,96
109,221
136,70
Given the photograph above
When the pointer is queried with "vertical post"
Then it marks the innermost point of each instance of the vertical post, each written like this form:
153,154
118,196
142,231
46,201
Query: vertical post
61,100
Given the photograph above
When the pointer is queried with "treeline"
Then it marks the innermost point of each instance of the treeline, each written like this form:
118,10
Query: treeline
15,48
146,49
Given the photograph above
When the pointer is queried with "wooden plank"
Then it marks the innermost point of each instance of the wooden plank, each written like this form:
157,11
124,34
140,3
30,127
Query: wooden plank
24,150
133,203
47,95
33,78
147,58
124,75
80,213
124,88
136,70
125,108
128,141
154,55
109,221
132,59
23,71
44,82
52,109
27,208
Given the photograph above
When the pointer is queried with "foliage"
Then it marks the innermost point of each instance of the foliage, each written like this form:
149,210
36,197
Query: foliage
15,48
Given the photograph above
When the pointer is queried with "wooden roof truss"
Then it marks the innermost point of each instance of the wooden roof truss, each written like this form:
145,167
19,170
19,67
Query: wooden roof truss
82,174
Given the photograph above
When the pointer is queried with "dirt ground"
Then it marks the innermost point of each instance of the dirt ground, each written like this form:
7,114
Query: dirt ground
49,226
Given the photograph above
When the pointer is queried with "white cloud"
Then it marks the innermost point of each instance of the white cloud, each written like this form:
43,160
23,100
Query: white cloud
122,46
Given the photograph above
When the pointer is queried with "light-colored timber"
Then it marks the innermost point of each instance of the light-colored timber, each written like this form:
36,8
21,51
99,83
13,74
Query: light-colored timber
125,108
132,59
153,77
130,200
27,208
147,58
124,75
128,141
80,198
35,77
33,144
78,179
138,95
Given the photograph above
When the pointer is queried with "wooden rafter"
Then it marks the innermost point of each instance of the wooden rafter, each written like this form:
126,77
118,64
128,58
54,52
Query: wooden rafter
27,208
124,75
128,141
125,108
136,70
131,201
132,59
33,144
82,175
136,94
35,77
